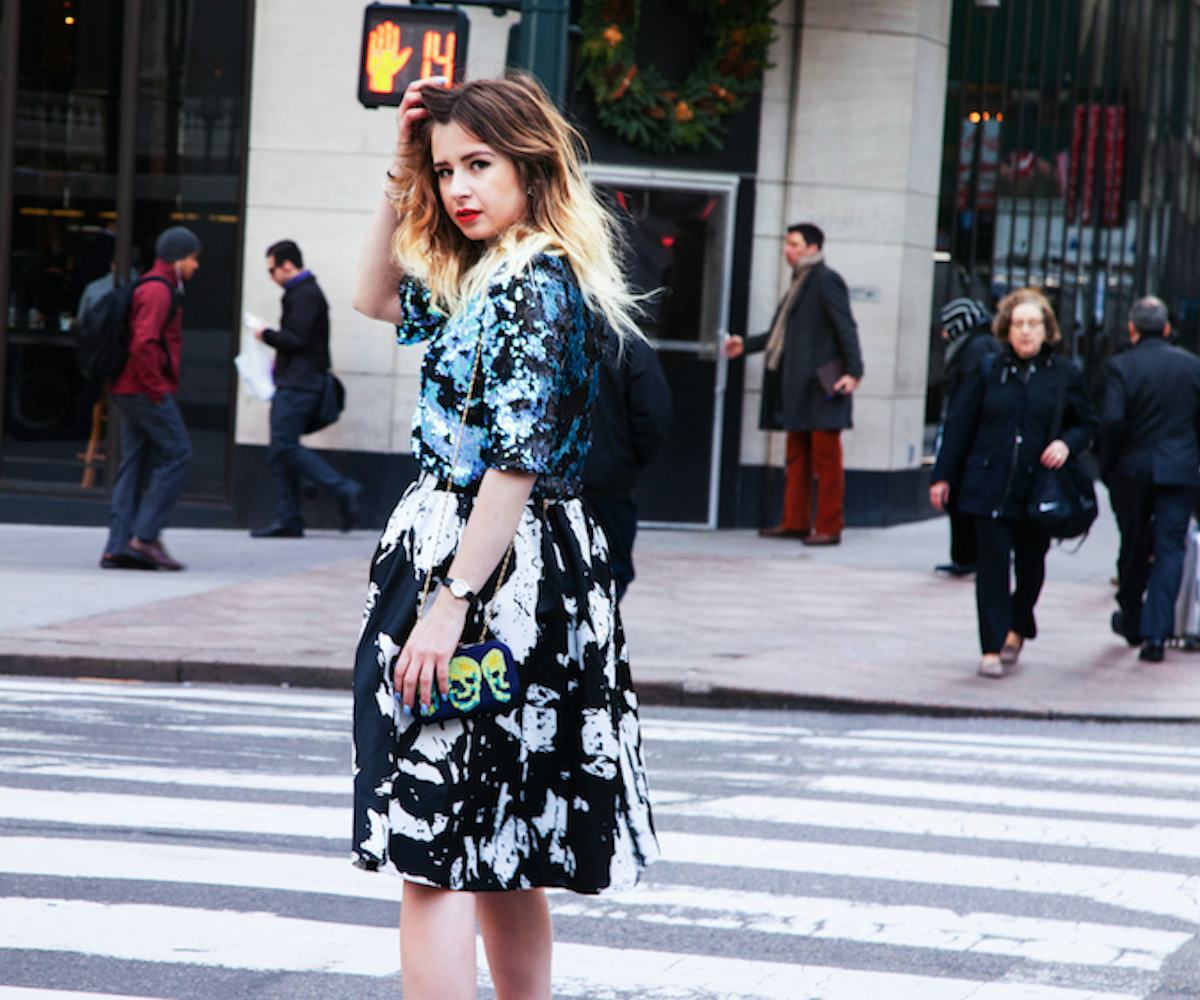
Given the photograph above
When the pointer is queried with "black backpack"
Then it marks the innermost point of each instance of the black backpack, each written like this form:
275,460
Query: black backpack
102,345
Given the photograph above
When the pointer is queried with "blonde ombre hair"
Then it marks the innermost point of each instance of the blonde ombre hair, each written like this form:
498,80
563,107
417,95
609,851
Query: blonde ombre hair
515,118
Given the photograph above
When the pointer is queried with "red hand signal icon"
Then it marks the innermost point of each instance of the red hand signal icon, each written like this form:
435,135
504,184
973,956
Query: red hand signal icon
385,58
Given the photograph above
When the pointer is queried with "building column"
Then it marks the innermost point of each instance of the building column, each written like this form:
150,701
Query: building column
857,98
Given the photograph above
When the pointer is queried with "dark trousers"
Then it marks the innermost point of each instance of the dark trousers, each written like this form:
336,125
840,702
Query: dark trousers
962,537
1153,522
618,518
1005,544
291,463
814,454
155,456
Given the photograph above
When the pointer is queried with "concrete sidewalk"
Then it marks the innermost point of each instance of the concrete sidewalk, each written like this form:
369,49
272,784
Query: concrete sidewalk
713,618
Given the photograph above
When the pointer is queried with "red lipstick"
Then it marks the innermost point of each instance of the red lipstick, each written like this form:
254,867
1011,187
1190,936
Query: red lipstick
467,214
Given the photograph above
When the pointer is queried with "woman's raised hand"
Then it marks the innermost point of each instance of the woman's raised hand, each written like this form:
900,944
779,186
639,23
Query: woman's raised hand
410,111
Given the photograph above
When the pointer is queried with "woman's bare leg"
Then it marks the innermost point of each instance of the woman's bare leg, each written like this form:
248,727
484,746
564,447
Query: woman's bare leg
518,938
437,943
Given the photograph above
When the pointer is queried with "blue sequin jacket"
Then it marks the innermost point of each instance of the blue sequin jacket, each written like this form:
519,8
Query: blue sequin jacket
532,404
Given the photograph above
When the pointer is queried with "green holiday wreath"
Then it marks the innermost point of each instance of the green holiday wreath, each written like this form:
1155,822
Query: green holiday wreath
647,110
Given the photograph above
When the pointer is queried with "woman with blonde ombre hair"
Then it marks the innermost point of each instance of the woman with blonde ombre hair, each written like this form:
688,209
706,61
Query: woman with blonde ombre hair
997,432
490,247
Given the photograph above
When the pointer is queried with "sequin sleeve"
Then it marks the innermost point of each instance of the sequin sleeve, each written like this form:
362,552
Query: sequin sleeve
531,360
419,319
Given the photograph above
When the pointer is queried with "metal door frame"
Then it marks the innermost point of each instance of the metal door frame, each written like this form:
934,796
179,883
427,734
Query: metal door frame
725,185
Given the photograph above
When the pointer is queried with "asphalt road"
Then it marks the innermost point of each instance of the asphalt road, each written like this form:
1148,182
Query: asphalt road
192,842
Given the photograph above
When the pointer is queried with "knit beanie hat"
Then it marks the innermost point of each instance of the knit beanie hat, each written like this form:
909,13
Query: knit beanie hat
176,243
962,315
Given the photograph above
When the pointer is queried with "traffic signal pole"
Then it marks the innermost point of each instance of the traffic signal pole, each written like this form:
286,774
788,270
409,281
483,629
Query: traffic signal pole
543,44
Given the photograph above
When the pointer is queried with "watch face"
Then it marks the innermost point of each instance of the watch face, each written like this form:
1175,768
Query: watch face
459,589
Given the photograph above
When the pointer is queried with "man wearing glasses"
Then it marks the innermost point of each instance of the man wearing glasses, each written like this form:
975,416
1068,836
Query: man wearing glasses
302,360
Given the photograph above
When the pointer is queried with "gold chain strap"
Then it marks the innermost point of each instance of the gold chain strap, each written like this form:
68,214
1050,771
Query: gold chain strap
462,429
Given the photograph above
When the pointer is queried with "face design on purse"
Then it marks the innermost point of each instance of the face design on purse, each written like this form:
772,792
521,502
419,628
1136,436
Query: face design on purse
466,678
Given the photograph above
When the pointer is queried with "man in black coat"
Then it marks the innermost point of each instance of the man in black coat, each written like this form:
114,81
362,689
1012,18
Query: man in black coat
1150,460
967,332
301,362
629,425
814,364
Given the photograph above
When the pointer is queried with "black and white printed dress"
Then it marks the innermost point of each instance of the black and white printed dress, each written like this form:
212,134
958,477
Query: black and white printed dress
552,792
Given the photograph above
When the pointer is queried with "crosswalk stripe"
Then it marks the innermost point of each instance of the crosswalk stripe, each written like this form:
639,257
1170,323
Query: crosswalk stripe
1009,798
965,748
50,708
1041,940
1151,781
1162,893
824,918
924,822
52,767
1043,742
20,993
1173,895
135,691
266,942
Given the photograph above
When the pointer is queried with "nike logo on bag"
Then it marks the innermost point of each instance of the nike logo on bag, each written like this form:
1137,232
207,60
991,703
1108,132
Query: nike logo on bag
1043,507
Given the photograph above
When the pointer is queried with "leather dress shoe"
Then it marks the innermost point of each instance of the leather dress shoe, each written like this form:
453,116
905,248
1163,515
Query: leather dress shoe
779,531
277,531
349,507
156,553
955,569
1152,651
125,560
819,538
1118,626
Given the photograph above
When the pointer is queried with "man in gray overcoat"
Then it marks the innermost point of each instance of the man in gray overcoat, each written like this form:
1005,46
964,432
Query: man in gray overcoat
813,365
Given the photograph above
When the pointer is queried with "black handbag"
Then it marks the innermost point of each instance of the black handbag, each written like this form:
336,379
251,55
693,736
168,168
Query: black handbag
1063,501
333,401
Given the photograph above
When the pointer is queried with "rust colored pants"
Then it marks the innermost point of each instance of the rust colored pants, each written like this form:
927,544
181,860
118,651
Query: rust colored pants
814,455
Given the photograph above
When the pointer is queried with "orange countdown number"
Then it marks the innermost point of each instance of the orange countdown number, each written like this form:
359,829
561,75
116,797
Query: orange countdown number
385,57
438,53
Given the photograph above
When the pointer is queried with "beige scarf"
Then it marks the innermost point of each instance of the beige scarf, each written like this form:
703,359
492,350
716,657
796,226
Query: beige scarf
779,324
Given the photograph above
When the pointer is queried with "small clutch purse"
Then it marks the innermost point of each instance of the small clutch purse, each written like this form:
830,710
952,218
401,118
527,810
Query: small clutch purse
483,681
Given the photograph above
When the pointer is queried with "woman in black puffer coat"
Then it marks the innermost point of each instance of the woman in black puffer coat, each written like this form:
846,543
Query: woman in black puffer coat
997,433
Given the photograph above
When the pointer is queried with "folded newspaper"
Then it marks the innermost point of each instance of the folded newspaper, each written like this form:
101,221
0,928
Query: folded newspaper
256,362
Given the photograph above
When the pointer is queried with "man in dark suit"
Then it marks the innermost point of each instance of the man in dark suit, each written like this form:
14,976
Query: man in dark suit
814,363
301,362
1150,460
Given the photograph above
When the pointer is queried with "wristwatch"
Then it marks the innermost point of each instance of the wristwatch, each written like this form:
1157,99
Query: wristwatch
460,590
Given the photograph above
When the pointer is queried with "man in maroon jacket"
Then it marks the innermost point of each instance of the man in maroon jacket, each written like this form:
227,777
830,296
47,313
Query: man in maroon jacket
155,449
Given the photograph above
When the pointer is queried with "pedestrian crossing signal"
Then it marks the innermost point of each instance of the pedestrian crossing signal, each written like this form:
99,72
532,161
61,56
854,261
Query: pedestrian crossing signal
402,43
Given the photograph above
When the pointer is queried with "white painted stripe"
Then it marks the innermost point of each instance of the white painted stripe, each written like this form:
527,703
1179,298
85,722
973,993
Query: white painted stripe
22,993
912,926
1162,893
995,754
1010,798
317,784
1042,742
823,918
1152,780
659,732
66,706
151,812
264,732
137,691
265,942
920,822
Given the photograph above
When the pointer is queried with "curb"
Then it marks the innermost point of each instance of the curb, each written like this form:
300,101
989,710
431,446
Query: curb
649,693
